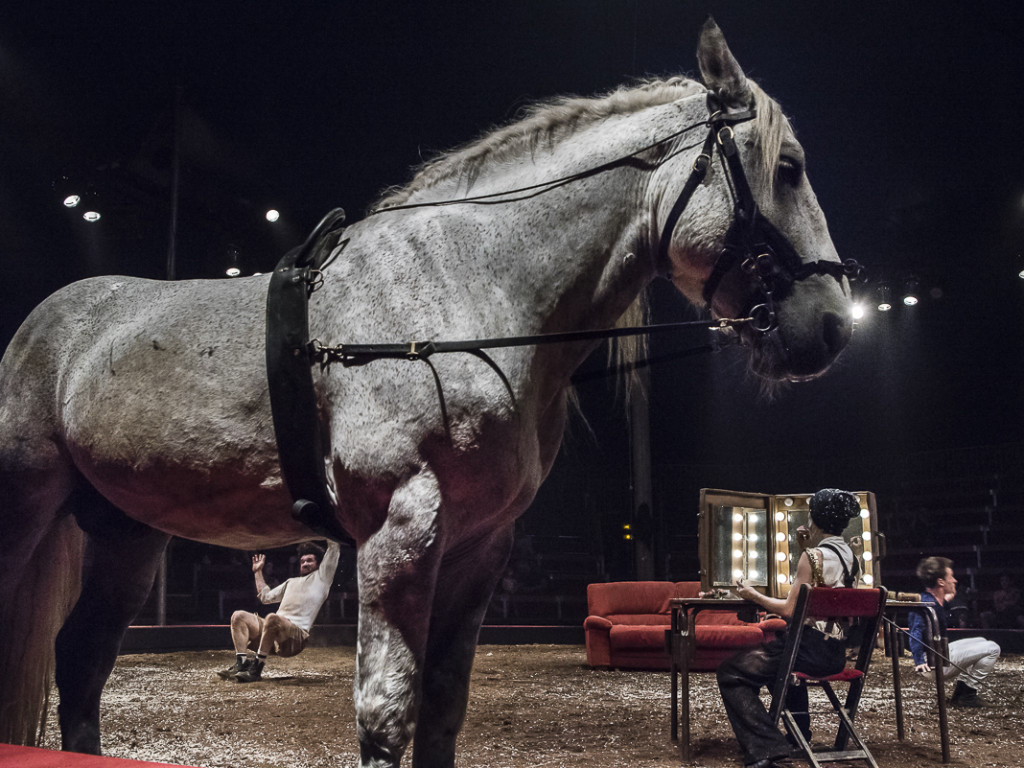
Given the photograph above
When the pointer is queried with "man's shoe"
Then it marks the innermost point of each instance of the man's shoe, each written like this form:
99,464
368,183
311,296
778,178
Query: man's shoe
965,696
252,674
239,665
969,700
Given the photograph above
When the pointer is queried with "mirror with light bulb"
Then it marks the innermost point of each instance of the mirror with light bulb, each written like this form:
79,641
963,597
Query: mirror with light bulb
753,536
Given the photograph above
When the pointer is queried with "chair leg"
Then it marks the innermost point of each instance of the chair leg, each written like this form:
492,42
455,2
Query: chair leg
847,722
846,731
797,735
852,702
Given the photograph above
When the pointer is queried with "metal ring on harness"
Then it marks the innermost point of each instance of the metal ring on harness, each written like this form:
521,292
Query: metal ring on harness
762,318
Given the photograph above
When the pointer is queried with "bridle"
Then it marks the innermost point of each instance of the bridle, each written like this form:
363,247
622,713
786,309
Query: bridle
763,253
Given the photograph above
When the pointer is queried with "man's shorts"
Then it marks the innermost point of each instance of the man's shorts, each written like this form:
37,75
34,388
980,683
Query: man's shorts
293,642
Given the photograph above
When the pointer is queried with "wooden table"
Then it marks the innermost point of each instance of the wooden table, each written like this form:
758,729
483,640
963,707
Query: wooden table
681,642
891,631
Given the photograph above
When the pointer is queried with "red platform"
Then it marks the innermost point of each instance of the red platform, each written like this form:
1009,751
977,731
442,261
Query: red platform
31,757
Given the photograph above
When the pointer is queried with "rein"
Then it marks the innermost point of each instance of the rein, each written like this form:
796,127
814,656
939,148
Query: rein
358,354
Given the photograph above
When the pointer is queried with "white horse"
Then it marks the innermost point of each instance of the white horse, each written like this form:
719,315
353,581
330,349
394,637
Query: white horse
136,410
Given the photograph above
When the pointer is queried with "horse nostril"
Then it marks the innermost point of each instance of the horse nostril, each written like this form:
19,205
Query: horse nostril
836,332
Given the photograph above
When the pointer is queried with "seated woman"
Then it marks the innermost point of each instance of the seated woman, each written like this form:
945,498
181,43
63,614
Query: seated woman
827,560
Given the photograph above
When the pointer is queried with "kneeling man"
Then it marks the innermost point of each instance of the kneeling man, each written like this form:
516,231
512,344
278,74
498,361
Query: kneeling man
972,658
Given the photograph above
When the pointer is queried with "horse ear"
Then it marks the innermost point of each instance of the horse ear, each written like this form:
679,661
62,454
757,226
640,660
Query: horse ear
719,68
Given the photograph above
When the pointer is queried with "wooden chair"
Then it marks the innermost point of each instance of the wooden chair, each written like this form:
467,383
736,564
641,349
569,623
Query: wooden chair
830,604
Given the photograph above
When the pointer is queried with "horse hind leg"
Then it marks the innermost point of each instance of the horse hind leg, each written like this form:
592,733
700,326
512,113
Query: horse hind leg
122,557
40,565
465,585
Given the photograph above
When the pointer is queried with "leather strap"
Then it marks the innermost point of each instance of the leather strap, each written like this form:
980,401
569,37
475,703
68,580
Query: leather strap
290,381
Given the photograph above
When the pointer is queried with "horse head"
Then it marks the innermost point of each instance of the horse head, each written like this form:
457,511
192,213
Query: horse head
753,242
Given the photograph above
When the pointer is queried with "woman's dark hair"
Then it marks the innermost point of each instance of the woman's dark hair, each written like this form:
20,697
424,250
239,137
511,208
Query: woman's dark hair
832,510
309,548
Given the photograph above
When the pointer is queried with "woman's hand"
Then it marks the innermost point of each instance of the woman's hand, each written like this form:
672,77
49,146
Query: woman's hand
745,592
857,546
258,562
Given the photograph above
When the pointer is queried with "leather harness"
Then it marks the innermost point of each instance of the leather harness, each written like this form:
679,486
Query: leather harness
762,252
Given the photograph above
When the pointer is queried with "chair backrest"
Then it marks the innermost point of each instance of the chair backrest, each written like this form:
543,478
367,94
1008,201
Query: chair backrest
830,603
839,602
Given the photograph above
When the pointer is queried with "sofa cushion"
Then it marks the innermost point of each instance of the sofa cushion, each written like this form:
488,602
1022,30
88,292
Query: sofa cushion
720,617
625,637
728,636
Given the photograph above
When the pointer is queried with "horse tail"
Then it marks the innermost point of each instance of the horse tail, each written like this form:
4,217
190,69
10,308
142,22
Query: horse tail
32,611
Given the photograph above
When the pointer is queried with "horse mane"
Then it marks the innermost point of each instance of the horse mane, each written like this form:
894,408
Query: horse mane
547,121
550,120
544,121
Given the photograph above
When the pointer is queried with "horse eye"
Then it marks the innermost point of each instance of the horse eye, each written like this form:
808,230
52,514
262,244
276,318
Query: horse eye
790,171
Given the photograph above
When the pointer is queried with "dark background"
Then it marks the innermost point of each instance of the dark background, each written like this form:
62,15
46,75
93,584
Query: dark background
910,114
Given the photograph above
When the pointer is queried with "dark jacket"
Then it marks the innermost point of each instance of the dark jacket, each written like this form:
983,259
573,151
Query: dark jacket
919,628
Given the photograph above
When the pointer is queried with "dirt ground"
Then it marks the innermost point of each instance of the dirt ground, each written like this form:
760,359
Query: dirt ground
530,706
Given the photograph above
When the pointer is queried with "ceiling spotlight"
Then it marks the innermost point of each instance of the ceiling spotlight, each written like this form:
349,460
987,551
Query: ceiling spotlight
234,257
884,298
1021,274
910,295
72,200
91,216
273,215
858,311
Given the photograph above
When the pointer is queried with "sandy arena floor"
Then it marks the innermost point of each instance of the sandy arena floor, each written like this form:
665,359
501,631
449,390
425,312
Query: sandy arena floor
531,706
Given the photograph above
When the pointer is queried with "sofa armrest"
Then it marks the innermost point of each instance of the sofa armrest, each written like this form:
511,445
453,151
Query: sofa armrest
772,628
596,632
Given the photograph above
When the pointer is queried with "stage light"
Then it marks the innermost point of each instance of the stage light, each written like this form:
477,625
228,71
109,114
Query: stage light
910,295
72,200
858,311
884,298
273,215
234,262
1021,274
91,216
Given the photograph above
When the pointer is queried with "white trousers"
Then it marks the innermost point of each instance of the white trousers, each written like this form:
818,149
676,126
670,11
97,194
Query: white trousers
976,655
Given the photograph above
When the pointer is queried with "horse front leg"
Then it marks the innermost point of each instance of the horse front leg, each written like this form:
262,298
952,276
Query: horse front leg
397,570
465,583
122,562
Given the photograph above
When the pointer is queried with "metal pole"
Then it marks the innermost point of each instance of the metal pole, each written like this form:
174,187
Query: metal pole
640,454
172,240
172,248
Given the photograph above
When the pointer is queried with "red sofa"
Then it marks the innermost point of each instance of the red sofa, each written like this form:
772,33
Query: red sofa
628,619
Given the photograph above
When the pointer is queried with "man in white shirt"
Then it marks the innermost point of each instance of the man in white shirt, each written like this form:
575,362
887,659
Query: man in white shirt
285,631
